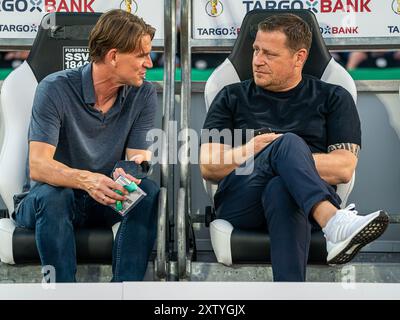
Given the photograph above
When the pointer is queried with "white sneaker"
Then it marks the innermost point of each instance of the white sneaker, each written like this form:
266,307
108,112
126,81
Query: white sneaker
346,233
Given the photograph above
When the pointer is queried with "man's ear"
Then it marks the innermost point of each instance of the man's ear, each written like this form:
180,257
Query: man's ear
111,57
301,57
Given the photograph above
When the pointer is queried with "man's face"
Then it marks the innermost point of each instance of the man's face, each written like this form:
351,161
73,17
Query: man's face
131,67
273,62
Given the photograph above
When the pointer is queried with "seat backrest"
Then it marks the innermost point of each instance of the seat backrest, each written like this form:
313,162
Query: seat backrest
52,50
238,67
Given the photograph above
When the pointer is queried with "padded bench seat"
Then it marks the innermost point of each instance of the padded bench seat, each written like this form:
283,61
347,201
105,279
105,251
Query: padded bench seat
19,246
233,246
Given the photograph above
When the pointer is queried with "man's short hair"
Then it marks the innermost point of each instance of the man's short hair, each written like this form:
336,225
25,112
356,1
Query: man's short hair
297,31
117,29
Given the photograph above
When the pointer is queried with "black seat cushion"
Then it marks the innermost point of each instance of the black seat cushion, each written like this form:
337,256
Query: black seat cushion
92,245
255,247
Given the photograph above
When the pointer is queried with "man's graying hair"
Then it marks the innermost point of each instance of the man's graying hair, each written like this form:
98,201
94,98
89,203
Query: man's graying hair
297,31
120,30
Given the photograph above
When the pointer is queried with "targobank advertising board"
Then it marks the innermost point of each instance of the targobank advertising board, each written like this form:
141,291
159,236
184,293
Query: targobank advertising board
221,19
21,18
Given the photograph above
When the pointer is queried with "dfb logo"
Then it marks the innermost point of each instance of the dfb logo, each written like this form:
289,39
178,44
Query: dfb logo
214,8
396,6
132,7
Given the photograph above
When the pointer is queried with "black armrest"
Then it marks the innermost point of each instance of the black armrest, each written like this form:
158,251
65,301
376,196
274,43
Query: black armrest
3,209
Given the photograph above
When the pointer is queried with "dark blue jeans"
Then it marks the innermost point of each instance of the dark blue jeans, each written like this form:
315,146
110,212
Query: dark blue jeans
278,196
54,212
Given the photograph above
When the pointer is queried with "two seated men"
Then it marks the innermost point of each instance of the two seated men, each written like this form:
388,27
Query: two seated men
86,119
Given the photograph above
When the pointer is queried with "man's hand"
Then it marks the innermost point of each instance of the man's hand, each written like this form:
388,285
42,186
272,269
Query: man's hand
138,158
138,155
101,188
219,160
120,172
261,141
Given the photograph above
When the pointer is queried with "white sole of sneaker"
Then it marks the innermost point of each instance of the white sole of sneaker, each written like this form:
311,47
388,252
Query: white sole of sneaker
344,251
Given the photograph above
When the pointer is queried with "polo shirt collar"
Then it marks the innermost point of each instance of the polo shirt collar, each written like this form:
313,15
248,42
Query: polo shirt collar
87,85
